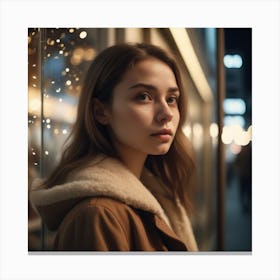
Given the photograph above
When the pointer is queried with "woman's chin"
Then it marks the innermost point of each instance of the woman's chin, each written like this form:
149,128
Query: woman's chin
160,151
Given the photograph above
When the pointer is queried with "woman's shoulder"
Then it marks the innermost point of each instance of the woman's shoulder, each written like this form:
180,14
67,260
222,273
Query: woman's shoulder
96,223
105,208
100,202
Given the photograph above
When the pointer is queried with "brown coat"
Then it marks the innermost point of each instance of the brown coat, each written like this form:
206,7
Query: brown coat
106,208
105,224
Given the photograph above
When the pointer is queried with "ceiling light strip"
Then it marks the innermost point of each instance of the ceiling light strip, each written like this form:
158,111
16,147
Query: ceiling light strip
189,56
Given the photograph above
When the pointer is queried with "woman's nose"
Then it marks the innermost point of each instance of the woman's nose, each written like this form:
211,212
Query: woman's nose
164,113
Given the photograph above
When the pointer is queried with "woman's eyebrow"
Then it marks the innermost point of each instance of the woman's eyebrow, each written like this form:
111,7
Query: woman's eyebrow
152,87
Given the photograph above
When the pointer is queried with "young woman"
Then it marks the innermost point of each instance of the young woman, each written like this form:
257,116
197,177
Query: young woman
122,182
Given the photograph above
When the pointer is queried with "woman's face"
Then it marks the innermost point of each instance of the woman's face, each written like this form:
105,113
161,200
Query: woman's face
144,115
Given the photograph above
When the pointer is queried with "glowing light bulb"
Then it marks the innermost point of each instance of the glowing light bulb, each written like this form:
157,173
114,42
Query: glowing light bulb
89,54
227,135
83,35
233,61
214,130
234,106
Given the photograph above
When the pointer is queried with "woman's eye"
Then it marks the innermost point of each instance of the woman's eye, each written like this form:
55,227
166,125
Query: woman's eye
143,97
172,100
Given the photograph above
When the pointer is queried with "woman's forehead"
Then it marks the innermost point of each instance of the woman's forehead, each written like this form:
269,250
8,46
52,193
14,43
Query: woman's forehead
150,69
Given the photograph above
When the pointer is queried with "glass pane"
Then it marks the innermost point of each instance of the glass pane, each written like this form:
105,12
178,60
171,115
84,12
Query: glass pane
58,60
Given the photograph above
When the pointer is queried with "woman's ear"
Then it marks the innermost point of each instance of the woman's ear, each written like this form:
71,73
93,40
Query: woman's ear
100,111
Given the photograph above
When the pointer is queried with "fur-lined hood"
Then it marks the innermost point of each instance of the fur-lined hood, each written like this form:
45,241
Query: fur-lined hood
108,177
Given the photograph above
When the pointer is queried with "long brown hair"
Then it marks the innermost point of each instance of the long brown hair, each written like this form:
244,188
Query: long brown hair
89,138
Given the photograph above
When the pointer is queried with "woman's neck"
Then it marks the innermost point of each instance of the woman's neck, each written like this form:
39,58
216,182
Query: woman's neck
133,161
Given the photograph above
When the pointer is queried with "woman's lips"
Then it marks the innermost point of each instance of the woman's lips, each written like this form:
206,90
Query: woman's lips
164,134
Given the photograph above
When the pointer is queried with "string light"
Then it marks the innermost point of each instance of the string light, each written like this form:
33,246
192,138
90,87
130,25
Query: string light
70,50
50,42
83,35
214,130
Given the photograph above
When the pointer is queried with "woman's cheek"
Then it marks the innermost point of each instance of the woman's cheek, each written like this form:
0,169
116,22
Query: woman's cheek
140,113
176,119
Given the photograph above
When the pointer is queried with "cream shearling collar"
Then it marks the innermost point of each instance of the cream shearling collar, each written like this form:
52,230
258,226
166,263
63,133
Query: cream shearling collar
105,177
109,177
